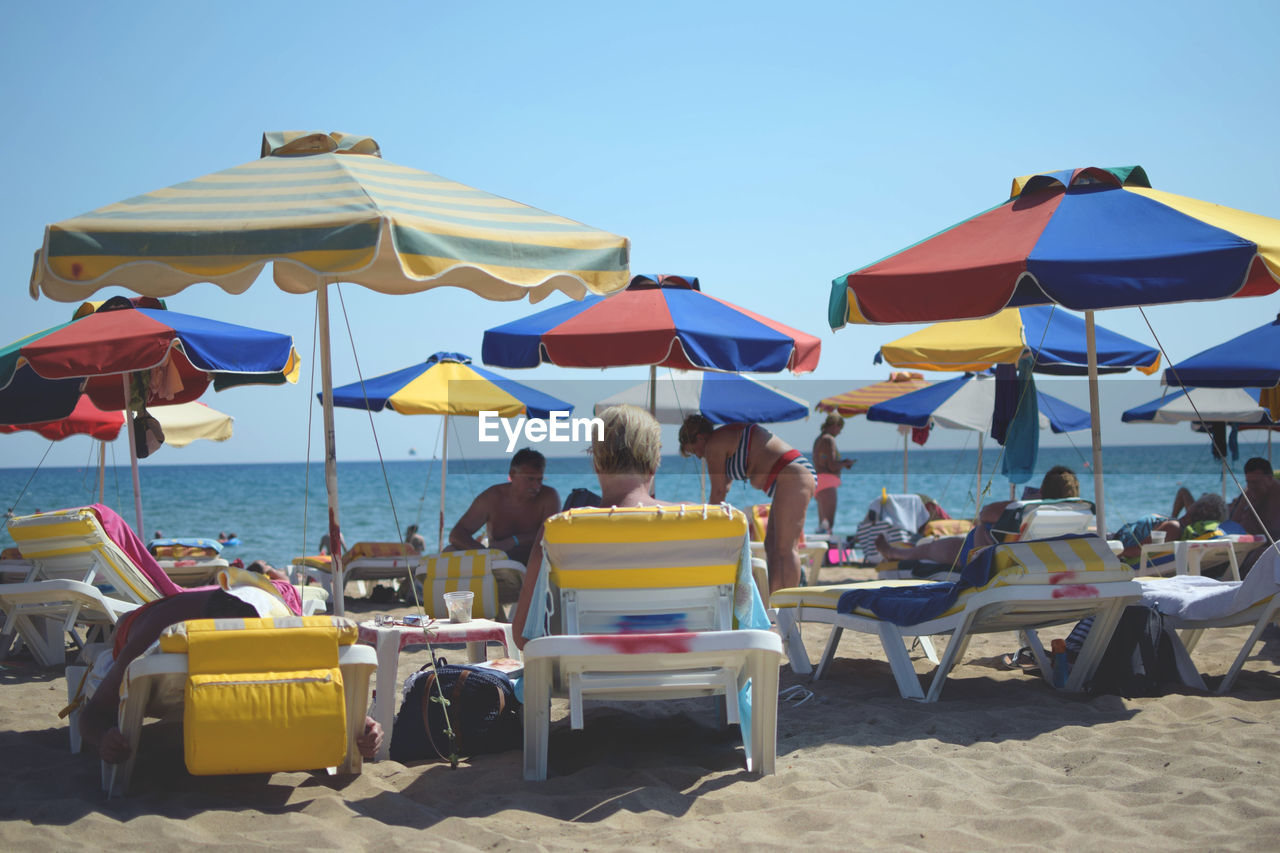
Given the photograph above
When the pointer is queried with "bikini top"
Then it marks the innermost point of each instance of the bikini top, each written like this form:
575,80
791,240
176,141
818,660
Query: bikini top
735,467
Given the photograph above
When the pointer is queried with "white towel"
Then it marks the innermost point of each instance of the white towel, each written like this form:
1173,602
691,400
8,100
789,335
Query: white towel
1191,597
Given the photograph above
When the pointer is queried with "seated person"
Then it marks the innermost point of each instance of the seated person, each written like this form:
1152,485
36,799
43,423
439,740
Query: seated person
1258,509
625,459
136,633
513,512
1059,482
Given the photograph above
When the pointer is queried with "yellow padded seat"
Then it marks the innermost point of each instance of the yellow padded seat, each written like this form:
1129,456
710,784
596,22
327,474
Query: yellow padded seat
262,695
459,571
826,597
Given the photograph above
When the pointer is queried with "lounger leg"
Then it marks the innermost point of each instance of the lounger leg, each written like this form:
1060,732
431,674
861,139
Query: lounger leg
115,777
1190,637
956,647
355,688
537,717
1182,659
930,651
764,712
1029,638
1245,650
895,650
789,628
388,649
829,652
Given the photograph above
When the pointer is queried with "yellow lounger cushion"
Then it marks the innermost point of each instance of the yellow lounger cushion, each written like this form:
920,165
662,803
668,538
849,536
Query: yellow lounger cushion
1084,559
262,695
459,571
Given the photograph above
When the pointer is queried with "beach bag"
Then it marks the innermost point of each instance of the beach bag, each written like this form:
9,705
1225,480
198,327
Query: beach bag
483,711
1139,659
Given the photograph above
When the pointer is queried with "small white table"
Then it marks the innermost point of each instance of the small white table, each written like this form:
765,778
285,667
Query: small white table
1188,555
388,640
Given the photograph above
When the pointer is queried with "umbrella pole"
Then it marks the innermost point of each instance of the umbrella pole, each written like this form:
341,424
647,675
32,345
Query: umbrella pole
1095,423
905,437
653,390
133,452
330,451
101,471
977,495
444,472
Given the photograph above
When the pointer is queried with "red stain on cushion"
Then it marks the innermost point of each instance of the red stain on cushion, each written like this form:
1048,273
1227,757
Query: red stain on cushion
638,644
1081,590
1061,577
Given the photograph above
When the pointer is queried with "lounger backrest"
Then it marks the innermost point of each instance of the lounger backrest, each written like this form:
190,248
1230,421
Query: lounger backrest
643,569
456,571
362,550
1023,520
71,544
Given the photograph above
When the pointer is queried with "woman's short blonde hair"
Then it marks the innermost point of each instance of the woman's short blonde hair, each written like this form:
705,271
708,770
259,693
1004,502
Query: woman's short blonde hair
631,444
833,419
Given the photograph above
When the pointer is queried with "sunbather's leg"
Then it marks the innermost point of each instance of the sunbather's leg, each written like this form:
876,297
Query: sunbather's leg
786,524
944,549
1182,501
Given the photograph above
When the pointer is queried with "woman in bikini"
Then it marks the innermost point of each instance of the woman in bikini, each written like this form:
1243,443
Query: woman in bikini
828,464
750,452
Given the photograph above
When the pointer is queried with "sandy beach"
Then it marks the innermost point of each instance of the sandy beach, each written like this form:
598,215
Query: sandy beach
1002,761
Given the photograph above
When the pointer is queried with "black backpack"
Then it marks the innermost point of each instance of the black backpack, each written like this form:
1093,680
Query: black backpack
1139,658
483,711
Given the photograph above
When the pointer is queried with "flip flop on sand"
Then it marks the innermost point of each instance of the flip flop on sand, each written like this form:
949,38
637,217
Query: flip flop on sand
1022,659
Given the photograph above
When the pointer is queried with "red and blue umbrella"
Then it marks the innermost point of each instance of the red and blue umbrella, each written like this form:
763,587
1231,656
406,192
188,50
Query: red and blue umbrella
659,320
1083,238
43,376
722,398
968,402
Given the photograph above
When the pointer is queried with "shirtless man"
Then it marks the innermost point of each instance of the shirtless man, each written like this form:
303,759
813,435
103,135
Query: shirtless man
513,512
1263,492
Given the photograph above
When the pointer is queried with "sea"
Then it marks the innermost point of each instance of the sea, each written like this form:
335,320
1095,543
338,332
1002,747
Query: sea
277,510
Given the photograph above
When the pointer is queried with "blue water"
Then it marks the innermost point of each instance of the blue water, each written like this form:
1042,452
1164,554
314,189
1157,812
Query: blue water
278,514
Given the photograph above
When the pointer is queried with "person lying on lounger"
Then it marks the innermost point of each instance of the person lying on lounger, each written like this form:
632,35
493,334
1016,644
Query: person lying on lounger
1059,482
136,633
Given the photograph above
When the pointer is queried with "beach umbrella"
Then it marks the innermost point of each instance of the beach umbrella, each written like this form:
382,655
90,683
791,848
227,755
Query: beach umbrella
324,208
447,384
1210,410
968,402
1251,360
857,401
722,398
659,321
1055,337
121,356
1085,239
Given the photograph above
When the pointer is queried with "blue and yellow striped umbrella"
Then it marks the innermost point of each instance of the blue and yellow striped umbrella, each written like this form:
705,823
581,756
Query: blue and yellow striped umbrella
325,207
447,384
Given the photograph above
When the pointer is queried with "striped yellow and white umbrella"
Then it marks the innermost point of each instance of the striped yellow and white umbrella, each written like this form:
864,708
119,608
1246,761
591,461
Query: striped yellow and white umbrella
324,208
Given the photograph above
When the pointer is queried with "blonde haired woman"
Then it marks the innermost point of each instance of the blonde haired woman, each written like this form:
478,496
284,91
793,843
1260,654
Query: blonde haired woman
626,459
750,452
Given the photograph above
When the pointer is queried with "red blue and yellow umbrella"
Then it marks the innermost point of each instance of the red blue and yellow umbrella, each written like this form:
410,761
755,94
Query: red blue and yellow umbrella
1083,238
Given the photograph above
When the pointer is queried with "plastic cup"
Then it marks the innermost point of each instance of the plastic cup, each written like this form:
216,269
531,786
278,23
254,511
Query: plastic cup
459,605
1157,537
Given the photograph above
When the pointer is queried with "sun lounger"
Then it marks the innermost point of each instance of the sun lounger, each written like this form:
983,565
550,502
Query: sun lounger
80,573
189,562
299,708
1193,604
362,564
1187,557
1018,587
647,600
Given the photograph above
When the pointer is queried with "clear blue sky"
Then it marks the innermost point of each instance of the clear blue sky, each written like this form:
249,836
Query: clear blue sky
765,148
